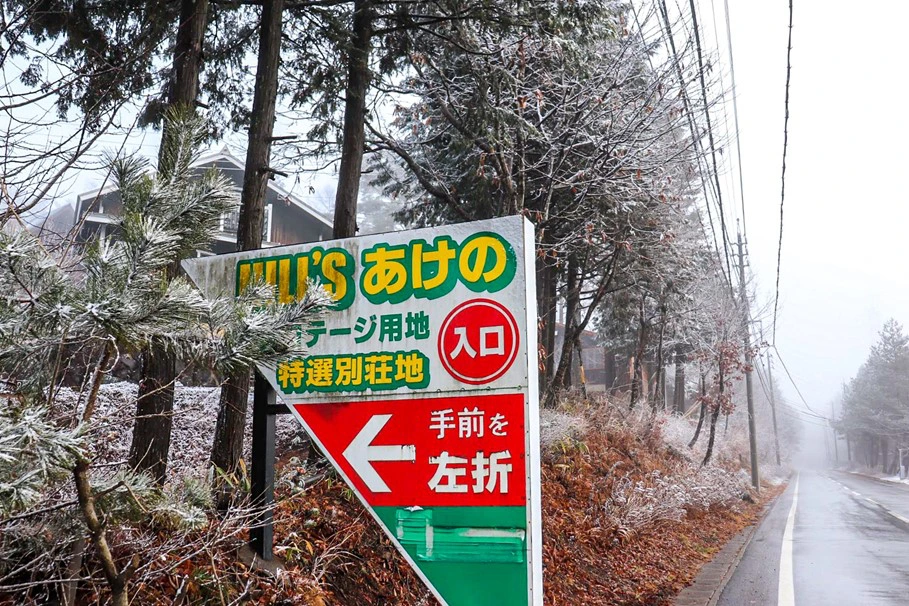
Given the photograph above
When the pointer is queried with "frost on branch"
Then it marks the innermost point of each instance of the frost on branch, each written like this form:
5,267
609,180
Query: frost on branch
33,452
67,320
634,505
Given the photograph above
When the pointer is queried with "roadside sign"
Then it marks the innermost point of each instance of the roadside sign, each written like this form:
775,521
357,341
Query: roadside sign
421,388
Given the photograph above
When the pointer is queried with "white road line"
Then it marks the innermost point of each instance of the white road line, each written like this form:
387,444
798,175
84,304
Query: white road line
786,595
902,519
888,511
858,494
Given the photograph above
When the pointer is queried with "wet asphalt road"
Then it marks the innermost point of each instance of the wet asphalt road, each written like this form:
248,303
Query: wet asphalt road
850,546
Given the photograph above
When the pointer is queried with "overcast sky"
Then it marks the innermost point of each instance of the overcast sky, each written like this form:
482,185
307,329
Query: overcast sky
843,262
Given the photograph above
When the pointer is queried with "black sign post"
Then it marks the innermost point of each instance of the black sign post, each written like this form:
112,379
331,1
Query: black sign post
262,466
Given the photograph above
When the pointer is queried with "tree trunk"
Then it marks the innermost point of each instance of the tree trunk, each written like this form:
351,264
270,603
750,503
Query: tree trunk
628,370
713,417
659,393
633,386
549,330
188,52
150,446
562,378
572,301
115,579
678,399
230,429
885,454
637,373
353,141
716,413
610,372
582,376
663,398
257,170
69,588
703,413
546,307
231,424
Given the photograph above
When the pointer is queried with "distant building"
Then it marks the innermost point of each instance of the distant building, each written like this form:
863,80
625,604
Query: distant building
288,220
605,369
594,357
51,223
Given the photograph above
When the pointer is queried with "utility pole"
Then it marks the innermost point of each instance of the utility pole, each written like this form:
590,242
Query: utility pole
749,362
846,433
776,435
836,448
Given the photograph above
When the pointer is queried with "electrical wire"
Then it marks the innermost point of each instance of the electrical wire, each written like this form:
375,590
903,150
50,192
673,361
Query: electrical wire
729,169
779,252
735,113
787,409
706,184
710,138
791,380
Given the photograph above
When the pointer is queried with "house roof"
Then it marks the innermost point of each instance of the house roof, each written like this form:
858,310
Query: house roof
226,155
223,155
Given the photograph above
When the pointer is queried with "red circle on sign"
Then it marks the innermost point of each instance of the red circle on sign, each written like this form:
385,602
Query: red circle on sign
478,341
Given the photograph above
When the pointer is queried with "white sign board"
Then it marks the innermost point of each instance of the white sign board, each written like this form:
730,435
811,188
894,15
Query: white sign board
421,387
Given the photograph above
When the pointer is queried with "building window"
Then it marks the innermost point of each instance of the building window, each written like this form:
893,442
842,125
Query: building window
230,222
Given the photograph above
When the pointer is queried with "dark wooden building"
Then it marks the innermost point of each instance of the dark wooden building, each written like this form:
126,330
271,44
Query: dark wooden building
288,219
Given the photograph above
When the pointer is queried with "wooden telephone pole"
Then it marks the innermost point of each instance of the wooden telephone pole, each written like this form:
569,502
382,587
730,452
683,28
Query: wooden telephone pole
776,435
749,362
836,447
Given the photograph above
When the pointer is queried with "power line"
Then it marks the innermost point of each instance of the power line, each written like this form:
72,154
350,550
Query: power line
779,251
728,175
696,140
788,410
709,179
805,412
735,113
803,419
716,176
791,380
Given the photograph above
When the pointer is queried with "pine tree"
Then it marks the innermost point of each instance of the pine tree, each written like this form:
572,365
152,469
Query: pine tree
876,402
562,115
52,318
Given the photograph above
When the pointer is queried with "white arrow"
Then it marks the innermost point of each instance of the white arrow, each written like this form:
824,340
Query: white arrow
361,453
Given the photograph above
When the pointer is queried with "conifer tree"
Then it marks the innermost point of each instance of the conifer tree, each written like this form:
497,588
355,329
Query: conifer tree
876,404
53,318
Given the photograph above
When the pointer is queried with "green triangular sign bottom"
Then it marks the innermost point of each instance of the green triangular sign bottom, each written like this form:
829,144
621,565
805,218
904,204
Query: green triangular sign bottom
472,556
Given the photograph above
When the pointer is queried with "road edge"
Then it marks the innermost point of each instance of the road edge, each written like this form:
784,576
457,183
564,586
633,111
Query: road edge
713,577
899,518
868,476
